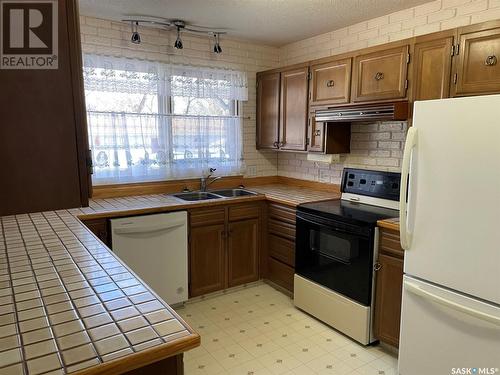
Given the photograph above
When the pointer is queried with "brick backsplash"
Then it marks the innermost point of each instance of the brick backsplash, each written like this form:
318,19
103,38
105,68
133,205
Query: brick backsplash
376,145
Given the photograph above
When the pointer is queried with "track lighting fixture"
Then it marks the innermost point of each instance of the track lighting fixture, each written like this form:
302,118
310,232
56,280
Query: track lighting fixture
178,41
169,25
136,37
217,47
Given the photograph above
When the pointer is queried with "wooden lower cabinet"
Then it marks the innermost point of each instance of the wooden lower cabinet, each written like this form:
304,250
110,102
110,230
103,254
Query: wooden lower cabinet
281,245
243,251
207,259
224,246
389,287
100,227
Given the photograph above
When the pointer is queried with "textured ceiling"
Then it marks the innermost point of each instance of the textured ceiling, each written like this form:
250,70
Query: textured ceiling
273,22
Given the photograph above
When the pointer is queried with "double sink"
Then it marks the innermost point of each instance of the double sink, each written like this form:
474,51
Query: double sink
214,194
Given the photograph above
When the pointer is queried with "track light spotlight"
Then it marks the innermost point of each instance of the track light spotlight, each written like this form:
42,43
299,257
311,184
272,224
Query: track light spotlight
178,41
136,38
217,47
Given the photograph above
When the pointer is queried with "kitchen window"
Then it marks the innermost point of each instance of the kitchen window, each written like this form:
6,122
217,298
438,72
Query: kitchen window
151,121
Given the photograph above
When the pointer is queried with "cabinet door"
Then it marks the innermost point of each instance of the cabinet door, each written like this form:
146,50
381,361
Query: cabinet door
331,82
432,68
478,68
243,252
268,105
293,112
316,136
206,259
381,75
388,299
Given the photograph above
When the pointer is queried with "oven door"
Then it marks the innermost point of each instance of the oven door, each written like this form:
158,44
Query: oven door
336,255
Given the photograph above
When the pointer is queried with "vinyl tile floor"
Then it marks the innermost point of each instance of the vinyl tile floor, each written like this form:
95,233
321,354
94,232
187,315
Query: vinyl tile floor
257,330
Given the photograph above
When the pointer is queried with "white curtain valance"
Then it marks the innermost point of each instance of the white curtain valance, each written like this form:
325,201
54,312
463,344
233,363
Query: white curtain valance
113,74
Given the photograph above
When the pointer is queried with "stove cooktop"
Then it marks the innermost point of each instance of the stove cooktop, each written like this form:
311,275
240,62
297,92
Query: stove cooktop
347,211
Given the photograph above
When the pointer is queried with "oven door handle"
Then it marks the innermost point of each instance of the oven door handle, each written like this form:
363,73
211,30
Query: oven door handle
330,228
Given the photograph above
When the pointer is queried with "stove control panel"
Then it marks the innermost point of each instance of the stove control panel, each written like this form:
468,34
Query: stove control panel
378,184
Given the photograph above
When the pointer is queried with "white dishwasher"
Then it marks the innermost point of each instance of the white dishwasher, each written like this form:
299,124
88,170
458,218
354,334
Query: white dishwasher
155,247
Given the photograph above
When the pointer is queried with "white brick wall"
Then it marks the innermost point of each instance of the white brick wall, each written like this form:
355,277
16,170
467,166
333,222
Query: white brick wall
113,38
380,145
423,19
376,146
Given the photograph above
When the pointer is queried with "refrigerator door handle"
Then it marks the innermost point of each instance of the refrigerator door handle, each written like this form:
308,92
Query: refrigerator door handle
405,234
415,289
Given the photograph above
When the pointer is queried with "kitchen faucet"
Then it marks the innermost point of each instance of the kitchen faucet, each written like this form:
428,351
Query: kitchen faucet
205,182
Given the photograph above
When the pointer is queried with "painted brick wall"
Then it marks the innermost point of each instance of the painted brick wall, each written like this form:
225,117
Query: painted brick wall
113,38
424,19
379,145
376,145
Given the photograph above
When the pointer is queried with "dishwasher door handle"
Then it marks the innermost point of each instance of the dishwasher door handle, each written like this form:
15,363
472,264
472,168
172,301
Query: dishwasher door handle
139,229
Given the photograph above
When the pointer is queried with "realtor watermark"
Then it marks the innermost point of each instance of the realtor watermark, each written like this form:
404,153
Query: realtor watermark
28,37
474,371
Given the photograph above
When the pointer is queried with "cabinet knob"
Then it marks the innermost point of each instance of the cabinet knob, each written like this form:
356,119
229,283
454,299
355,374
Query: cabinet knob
330,83
317,132
275,144
490,60
377,266
379,76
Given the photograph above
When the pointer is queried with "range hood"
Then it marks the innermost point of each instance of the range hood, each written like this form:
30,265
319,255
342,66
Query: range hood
366,112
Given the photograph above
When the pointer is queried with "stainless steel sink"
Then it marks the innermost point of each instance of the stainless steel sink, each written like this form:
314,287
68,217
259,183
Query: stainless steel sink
197,196
233,192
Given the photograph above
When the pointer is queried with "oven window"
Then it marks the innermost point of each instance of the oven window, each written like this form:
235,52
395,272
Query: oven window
333,247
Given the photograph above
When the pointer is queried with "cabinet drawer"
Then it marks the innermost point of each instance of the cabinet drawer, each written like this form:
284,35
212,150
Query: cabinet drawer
390,243
381,75
281,249
207,216
280,274
247,211
281,229
282,213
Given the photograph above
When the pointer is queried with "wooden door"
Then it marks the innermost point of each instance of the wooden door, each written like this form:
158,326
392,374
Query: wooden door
388,299
243,253
381,75
268,114
331,82
478,66
43,136
206,259
432,66
316,136
293,111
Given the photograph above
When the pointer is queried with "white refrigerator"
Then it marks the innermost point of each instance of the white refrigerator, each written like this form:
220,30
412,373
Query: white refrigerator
450,230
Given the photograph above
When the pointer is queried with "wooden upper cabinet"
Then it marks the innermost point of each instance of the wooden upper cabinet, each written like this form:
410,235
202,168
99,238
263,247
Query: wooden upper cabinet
316,136
243,252
268,113
432,59
381,75
331,82
478,66
294,109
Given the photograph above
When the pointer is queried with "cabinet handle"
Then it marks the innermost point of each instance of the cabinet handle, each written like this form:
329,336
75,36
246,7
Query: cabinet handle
379,76
275,144
330,83
377,266
317,133
490,60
